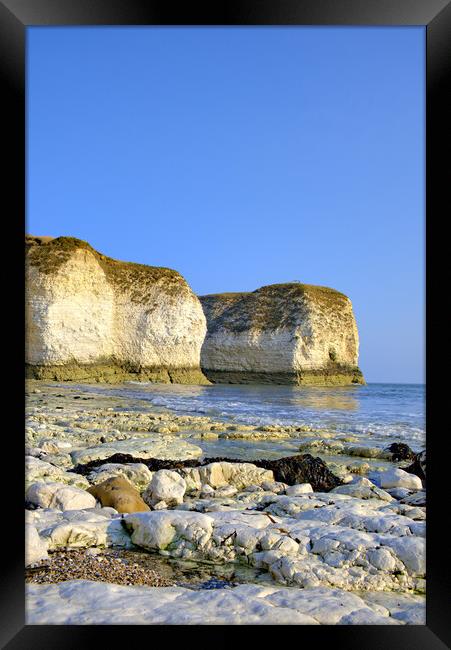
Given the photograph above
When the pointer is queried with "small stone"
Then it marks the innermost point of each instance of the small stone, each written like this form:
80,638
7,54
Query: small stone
161,505
226,491
395,477
253,488
358,468
300,488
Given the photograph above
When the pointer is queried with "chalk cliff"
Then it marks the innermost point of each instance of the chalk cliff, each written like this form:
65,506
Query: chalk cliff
89,317
281,333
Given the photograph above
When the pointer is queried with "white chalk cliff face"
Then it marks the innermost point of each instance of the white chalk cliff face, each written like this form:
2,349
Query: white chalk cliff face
88,316
282,333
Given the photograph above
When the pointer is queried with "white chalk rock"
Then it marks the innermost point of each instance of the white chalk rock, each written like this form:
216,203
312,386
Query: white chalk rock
274,486
39,470
415,499
138,474
35,547
206,490
287,333
90,316
161,505
36,452
153,446
59,496
399,493
53,446
220,474
382,559
300,488
225,491
156,530
411,551
167,486
93,527
82,602
398,478
362,488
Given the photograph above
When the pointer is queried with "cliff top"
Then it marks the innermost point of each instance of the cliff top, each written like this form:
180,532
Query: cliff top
272,306
48,254
283,290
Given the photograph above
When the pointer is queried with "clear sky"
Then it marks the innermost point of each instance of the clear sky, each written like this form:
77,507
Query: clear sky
243,157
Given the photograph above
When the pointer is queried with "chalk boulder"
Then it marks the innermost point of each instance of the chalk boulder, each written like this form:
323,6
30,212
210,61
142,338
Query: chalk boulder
167,486
59,496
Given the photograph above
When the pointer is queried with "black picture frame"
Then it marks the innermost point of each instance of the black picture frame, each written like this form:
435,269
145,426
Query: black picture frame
435,15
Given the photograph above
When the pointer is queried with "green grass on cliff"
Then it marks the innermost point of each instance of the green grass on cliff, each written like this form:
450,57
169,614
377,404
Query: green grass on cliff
289,288
48,255
272,306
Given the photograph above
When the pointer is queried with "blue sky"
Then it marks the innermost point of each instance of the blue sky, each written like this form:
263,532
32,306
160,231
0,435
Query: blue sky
243,157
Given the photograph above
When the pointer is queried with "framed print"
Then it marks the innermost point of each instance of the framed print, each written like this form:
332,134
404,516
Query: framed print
231,219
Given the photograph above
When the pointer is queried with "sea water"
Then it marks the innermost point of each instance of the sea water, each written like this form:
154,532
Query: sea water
375,414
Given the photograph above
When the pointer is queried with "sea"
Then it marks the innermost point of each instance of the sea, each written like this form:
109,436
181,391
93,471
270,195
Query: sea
374,415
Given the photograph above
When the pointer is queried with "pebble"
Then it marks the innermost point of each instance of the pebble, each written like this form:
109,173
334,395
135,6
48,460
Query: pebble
91,565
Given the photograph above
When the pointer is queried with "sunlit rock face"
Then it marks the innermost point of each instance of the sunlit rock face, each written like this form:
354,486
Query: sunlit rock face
281,333
91,317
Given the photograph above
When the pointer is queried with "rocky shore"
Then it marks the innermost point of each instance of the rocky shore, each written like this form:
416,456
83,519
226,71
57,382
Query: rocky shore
334,532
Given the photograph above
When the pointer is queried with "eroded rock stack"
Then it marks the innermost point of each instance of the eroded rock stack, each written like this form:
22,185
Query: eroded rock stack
283,334
91,317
